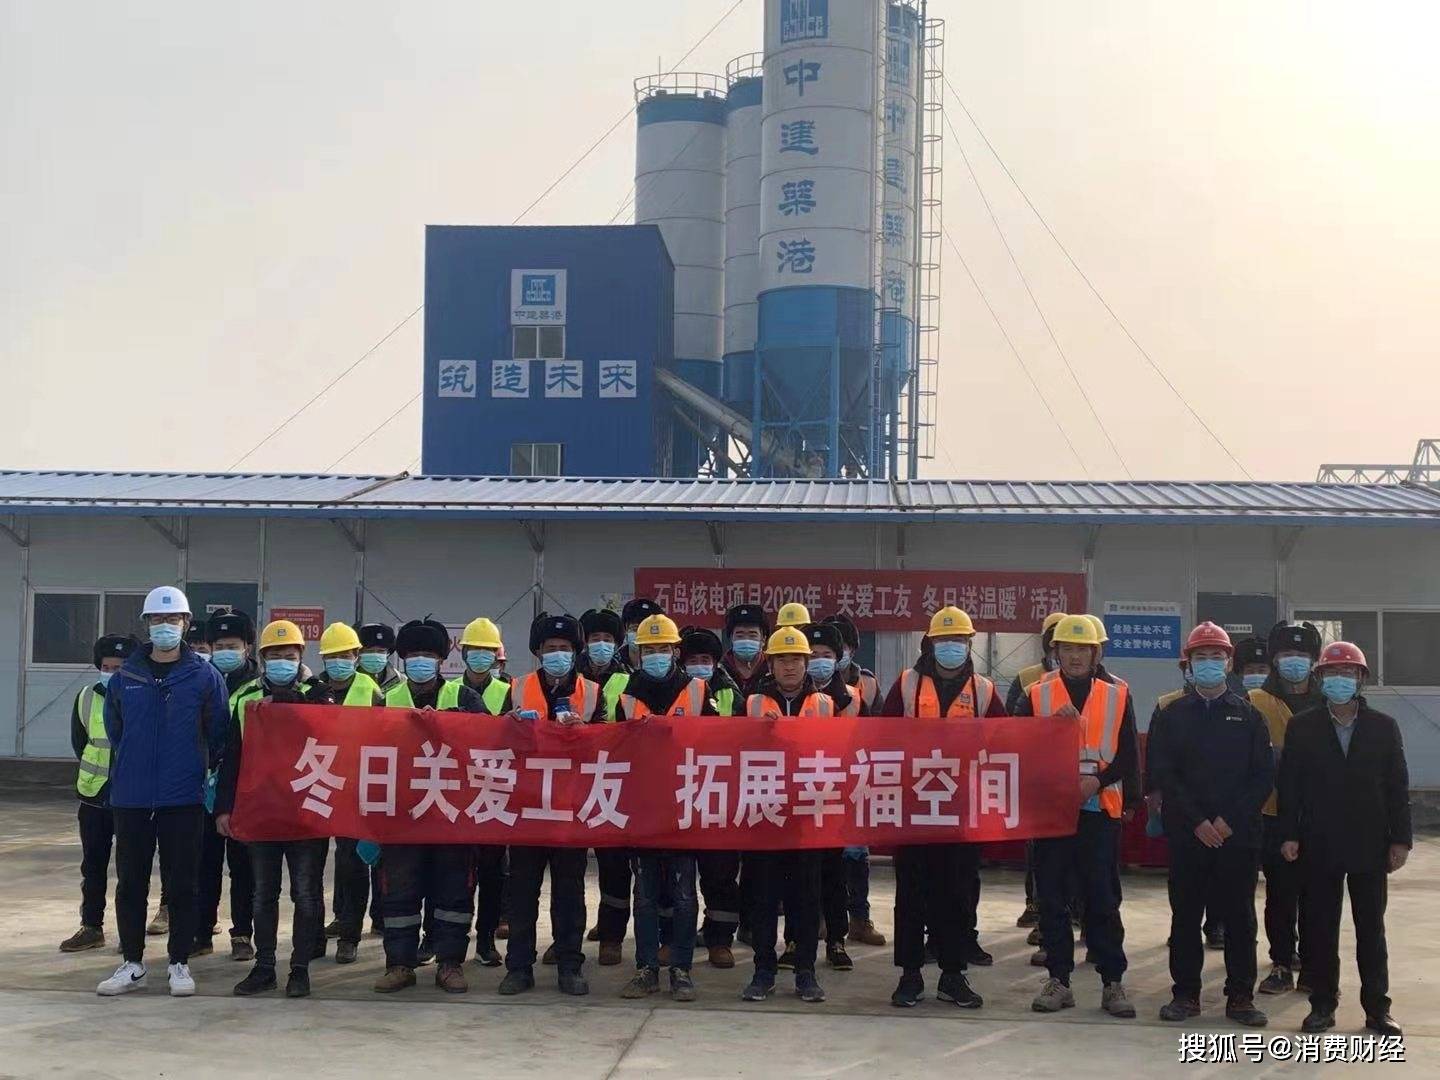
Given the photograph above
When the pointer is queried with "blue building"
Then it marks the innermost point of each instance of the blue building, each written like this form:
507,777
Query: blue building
541,346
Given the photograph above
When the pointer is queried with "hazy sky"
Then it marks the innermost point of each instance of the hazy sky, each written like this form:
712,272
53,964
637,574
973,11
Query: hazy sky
208,211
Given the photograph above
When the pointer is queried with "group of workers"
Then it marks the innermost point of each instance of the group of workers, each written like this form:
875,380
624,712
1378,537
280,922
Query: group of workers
160,741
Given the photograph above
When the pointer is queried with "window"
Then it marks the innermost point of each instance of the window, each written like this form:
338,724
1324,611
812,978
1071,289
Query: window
122,613
1400,645
64,624
534,459
539,343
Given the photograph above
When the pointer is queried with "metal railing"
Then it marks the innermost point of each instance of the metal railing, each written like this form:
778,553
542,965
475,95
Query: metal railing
748,66
697,84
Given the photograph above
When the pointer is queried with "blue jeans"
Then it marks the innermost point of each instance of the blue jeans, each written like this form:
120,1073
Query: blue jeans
657,873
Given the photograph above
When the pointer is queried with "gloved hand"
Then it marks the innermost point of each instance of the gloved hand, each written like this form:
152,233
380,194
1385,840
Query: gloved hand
212,784
369,851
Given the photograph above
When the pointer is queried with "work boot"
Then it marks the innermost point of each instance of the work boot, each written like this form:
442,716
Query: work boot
87,937
682,987
837,957
1215,940
332,928
1116,1002
721,956
1039,958
241,951
786,961
298,984
1302,982
807,987
610,953
909,990
502,931
1384,1023
663,955
594,934
425,953
450,977
517,982
761,986
1054,996
956,989
1243,1011
549,957
645,982
863,932
486,955
1279,981
975,956
202,947
260,979
1033,938
160,924
1180,1008
574,984
397,977
346,952
1029,917
1318,1020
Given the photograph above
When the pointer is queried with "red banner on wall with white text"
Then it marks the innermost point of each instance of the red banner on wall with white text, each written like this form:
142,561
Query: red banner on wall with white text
400,775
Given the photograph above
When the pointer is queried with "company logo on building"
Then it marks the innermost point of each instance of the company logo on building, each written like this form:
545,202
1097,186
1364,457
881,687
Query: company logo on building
804,20
537,296
537,289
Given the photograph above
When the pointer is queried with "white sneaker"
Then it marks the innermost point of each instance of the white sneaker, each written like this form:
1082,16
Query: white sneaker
181,983
128,976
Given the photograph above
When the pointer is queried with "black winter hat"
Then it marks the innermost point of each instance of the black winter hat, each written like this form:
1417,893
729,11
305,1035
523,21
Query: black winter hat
746,615
696,641
195,633
554,626
847,629
1295,635
114,645
423,635
376,635
602,621
823,633
638,610
230,624
1250,650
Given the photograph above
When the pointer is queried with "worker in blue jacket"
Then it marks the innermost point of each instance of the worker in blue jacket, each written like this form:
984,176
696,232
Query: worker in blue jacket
165,719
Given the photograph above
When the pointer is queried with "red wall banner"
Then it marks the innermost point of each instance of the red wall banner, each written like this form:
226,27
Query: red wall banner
998,601
688,783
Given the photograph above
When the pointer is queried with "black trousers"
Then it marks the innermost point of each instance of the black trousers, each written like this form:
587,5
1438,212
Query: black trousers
934,887
791,877
1324,895
305,860
1284,900
414,874
567,905
97,834
1222,879
612,866
351,890
177,831
216,852
1091,854
834,898
489,888
720,886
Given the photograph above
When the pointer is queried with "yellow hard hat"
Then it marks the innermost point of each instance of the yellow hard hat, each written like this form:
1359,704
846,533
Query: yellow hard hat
950,620
338,638
482,633
657,630
1099,625
792,615
788,640
282,632
1050,621
1076,630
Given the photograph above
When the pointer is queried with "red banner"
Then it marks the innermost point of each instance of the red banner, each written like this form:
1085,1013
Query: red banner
999,601
400,775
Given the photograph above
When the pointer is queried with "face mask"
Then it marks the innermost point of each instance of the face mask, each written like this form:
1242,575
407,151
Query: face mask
165,636
558,663
844,661
745,650
822,669
480,660
700,671
421,669
1338,689
339,668
1253,682
1293,669
601,653
657,665
629,639
951,654
281,672
227,660
1208,673
104,679
372,663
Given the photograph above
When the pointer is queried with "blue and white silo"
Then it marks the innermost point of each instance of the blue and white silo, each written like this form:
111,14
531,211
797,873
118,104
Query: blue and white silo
742,225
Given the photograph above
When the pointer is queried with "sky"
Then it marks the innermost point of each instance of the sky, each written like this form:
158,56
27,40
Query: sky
209,212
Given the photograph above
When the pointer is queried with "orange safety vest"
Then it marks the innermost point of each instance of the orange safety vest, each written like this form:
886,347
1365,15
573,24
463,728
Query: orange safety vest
1104,709
869,687
689,702
527,692
921,699
817,704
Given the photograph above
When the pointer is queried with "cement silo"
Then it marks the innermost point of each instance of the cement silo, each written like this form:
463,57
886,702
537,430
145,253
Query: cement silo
742,224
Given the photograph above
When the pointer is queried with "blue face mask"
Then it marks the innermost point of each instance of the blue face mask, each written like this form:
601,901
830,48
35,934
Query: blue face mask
558,663
165,636
657,665
1293,669
629,639
844,662
601,653
421,669
1253,682
372,663
227,660
951,654
1338,689
822,669
480,660
281,672
340,668
1209,672
104,678
700,671
745,650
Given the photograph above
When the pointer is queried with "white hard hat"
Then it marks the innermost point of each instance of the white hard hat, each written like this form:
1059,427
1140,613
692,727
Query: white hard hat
165,600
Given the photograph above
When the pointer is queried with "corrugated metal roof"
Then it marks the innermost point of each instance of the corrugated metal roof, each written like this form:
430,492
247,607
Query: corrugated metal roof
1075,502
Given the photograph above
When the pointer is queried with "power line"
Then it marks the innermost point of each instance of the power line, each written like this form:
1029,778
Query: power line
384,424
1091,285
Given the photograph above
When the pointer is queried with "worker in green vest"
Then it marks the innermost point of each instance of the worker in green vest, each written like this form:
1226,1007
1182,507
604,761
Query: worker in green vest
603,661
97,829
377,643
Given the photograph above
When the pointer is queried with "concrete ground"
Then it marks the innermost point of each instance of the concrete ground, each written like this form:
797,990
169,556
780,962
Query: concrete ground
53,1025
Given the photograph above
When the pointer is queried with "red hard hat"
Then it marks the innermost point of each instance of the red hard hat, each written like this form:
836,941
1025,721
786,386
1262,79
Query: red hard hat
1208,635
1342,652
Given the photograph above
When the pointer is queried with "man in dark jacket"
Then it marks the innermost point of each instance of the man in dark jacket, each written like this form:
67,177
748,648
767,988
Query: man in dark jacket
1211,757
1345,812
165,719
746,630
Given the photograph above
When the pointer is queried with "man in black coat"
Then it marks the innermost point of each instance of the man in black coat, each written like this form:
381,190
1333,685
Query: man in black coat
1345,806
